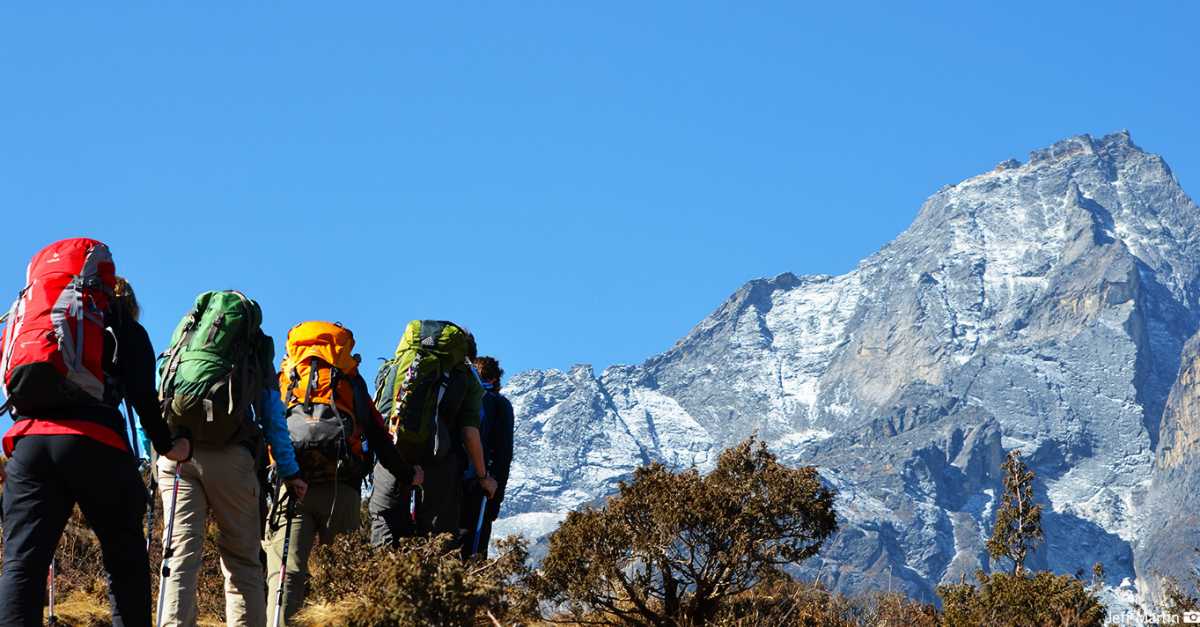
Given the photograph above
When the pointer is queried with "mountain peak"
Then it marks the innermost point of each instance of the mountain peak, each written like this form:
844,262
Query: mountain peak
1049,300
1113,145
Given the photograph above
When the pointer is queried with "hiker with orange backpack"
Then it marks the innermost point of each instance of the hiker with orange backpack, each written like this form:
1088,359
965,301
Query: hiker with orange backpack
217,380
72,348
337,434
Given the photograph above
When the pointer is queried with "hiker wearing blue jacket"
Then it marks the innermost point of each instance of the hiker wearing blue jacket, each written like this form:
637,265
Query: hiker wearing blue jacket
496,435
224,480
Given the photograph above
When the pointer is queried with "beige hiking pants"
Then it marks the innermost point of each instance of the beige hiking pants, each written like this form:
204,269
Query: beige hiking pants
328,509
223,481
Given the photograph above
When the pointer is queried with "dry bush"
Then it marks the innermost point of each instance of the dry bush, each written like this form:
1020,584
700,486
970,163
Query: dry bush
1006,600
789,603
421,582
674,548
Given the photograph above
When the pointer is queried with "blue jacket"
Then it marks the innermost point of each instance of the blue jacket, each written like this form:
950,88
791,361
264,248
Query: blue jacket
496,435
274,427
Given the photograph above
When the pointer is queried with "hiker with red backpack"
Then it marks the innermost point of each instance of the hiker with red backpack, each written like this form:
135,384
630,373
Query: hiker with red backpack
337,434
217,380
430,396
71,349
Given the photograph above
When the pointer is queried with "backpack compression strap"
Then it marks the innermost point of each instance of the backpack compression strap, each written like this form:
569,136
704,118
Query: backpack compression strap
175,355
313,380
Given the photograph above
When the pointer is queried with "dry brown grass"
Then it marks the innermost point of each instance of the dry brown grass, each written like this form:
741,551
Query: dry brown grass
82,590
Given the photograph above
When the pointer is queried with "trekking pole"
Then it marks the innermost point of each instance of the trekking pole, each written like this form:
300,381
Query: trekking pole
412,505
168,550
51,619
479,526
151,493
287,543
137,454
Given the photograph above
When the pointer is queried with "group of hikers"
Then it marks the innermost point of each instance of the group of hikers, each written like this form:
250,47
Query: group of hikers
277,457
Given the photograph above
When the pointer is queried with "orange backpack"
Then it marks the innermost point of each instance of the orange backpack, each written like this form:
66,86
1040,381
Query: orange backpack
317,384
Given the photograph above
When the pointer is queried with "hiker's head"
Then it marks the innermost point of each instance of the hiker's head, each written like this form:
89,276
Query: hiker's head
489,369
125,298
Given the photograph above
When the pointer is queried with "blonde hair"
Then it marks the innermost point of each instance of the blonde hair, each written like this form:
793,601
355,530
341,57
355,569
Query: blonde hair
123,295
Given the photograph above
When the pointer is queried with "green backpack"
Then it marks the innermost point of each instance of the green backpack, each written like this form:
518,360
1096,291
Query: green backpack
416,385
218,363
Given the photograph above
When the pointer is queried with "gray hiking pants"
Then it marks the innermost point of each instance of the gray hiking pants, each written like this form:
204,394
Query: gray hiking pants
327,510
438,503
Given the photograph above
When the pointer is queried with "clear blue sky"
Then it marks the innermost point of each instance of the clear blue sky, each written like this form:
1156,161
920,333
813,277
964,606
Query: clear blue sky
576,182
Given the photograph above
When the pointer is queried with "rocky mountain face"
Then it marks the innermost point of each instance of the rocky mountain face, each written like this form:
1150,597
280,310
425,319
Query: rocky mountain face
1170,540
1041,306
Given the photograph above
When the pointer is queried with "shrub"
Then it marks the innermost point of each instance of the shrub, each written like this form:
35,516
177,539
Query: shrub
787,603
672,548
421,582
1006,600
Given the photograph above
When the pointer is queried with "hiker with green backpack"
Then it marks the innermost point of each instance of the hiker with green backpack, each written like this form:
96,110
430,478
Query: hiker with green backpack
431,398
217,382
337,434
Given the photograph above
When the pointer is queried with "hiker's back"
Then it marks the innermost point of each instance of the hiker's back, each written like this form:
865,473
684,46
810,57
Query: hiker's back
70,351
218,362
324,398
427,393
421,385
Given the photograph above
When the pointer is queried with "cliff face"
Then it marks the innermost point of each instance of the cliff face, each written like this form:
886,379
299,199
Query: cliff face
1170,539
1040,306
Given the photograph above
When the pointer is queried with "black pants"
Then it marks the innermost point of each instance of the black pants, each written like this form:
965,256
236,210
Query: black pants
47,476
437,508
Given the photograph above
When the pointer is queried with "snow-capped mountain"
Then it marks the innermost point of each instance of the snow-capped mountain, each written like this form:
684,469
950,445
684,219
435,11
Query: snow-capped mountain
1042,306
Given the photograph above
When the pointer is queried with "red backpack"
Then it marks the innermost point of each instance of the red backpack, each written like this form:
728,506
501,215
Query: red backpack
52,349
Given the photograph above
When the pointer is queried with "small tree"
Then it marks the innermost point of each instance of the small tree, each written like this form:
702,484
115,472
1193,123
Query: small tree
670,548
1018,525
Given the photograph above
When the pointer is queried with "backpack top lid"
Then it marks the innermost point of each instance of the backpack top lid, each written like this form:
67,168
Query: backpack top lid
447,340
328,341
80,256
222,309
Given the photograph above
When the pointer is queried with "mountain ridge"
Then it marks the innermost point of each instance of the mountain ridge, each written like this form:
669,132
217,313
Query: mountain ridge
1042,306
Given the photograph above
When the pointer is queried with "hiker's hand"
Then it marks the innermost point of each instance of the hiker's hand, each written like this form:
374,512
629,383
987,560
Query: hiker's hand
489,486
418,476
298,487
181,451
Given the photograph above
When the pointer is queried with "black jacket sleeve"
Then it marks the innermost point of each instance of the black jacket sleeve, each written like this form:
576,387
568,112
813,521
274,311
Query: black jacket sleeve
502,439
135,360
378,437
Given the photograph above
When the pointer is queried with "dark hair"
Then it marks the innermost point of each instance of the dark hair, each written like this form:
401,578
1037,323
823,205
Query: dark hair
124,298
489,369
